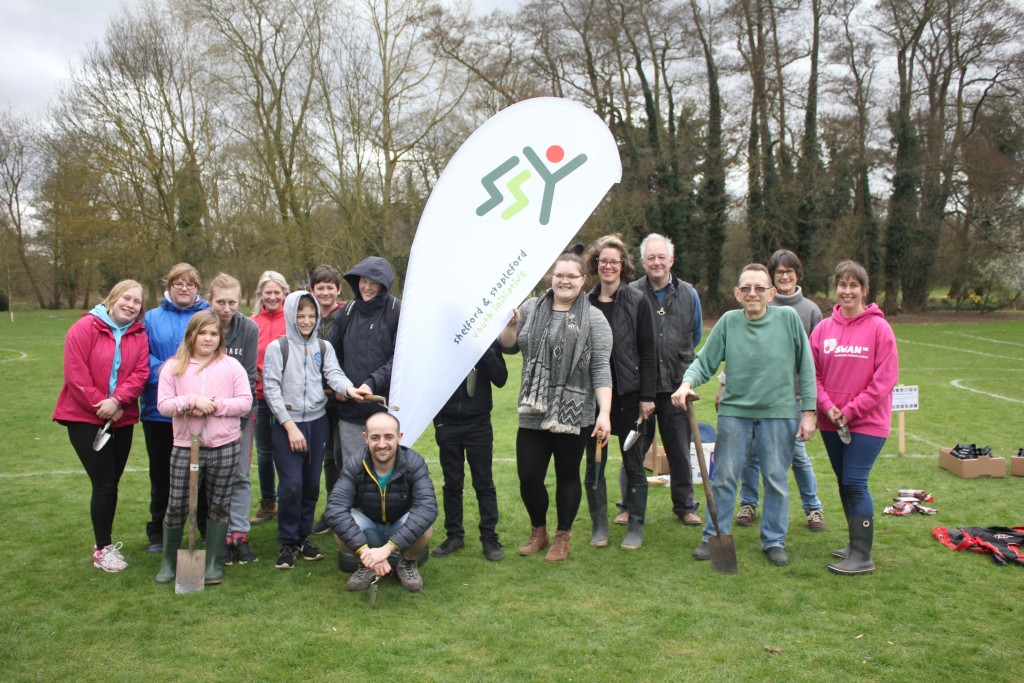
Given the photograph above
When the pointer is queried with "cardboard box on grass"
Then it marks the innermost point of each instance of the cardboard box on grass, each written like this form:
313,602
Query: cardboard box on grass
1017,466
971,468
655,459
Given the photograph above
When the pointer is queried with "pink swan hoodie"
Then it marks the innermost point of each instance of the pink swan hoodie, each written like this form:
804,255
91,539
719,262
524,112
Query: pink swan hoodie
856,364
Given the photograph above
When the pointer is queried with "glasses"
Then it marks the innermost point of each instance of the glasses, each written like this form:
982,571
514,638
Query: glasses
614,263
785,272
566,276
187,286
760,289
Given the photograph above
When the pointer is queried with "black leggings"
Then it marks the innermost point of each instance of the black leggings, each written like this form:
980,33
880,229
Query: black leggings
534,448
104,468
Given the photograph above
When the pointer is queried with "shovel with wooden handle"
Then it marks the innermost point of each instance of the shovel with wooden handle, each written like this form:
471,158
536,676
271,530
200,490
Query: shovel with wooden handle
723,549
190,575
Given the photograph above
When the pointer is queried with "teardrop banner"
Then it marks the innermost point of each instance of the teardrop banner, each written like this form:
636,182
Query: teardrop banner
506,205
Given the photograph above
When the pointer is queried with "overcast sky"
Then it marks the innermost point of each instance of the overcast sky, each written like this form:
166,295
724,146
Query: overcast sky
39,39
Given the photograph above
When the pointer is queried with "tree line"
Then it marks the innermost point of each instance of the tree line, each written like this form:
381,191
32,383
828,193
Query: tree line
240,135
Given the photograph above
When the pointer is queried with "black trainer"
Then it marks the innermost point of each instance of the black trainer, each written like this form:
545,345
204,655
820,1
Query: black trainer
450,545
321,526
286,560
493,550
243,552
227,556
311,552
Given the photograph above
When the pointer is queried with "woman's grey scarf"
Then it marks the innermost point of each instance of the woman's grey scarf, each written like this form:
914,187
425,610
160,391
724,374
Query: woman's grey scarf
560,373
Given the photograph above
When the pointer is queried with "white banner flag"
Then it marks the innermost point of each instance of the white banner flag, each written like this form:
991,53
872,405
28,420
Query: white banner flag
506,205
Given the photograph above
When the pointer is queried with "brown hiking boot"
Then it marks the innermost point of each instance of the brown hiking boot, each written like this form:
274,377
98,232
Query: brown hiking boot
816,521
267,512
560,548
622,517
747,515
538,541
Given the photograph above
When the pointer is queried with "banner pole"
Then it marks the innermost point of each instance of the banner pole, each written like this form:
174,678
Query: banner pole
903,433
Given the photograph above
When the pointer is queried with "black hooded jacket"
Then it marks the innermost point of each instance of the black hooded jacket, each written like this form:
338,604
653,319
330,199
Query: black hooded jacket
363,336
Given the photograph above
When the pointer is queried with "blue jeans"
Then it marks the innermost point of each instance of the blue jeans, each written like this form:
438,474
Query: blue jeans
803,473
852,464
770,440
265,450
377,533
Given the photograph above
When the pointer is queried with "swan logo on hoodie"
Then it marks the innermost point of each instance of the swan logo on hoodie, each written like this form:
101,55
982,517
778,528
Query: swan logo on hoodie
832,346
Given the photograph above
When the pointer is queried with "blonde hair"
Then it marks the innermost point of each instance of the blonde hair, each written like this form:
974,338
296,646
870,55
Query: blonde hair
268,276
224,281
184,271
195,324
118,290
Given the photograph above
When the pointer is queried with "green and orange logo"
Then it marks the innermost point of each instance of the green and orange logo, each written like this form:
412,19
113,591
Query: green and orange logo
555,154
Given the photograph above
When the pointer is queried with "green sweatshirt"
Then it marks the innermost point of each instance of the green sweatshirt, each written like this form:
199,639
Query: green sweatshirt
764,357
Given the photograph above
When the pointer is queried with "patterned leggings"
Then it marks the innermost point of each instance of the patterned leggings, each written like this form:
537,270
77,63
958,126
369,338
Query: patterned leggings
216,466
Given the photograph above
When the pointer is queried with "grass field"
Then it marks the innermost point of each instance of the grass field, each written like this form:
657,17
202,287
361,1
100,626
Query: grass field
652,615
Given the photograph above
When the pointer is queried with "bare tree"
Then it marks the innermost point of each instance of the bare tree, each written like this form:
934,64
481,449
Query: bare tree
17,156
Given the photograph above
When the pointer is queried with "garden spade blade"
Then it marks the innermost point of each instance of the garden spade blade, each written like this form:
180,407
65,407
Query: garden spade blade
190,574
102,437
723,550
633,436
372,599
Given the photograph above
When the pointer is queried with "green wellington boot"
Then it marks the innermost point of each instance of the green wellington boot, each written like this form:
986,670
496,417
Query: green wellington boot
597,501
169,562
215,532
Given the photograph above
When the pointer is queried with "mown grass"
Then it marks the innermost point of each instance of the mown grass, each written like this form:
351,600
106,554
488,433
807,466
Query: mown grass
653,615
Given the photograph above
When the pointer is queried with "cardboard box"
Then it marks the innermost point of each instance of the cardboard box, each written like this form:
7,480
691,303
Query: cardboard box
973,468
655,459
1017,466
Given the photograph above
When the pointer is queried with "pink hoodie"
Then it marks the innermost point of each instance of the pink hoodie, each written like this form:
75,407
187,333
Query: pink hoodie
857,366
226,380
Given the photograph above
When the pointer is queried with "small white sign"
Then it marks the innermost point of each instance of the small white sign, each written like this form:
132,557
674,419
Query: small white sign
904,398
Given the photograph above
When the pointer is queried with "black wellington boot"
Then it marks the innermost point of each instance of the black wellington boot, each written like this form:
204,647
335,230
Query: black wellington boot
843,552
597,501
637,505
862,531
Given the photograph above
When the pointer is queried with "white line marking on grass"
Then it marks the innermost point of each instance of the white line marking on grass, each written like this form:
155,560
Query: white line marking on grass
21,355
953,348
987,339
918,437
57,473
958,383
915,456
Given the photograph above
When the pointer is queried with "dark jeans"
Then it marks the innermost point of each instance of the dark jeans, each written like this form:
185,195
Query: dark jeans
852,464
298,474
674,428
264,450
534,450
159,442
104,468
473,443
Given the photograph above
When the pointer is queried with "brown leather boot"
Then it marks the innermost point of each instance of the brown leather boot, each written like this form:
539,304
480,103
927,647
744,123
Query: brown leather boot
560,548
267,512
538,541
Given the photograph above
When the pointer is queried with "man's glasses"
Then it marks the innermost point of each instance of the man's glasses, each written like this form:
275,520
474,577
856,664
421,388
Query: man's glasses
760,289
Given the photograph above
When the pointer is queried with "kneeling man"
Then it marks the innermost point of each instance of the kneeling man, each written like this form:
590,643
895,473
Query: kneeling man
383,504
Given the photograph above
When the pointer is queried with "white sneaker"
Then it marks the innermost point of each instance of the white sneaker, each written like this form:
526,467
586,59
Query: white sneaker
109,559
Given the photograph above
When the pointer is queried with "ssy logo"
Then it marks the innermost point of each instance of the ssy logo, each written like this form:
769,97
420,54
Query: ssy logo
554,154
830,345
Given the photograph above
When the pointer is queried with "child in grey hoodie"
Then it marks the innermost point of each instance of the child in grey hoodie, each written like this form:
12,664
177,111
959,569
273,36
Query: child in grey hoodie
293,384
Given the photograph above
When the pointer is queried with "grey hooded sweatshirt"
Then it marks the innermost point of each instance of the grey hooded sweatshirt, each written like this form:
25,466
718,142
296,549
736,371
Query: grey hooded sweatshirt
299,394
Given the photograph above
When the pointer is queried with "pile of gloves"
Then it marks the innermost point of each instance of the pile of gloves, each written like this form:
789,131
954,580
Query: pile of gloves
909,501
968,451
